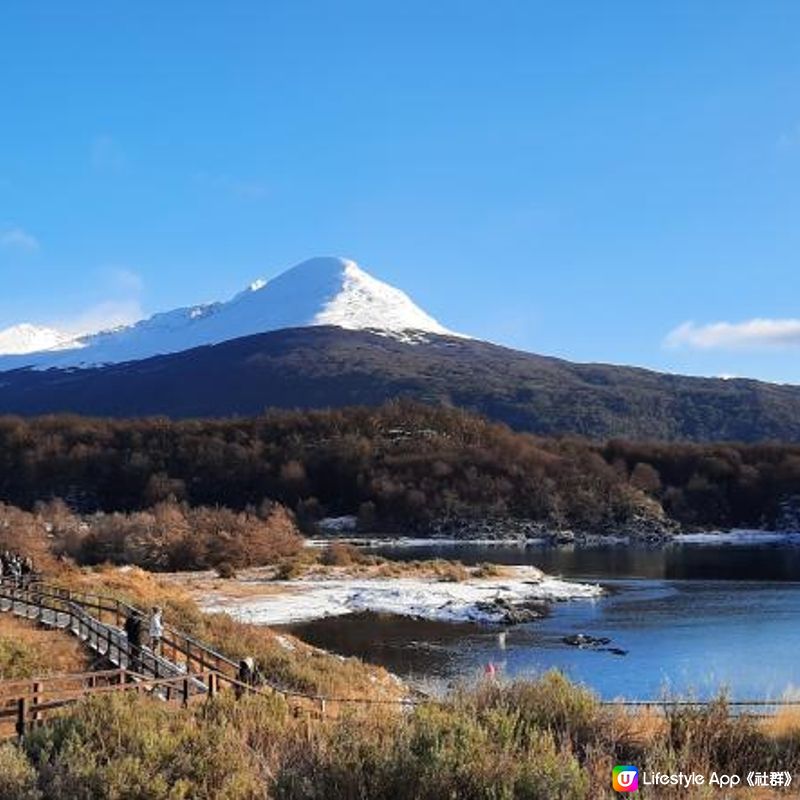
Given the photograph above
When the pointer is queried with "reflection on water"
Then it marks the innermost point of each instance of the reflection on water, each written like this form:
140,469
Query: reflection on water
692,618
673,561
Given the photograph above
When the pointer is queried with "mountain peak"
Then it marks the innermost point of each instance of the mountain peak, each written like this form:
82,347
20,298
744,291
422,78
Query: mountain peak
335,291
320,291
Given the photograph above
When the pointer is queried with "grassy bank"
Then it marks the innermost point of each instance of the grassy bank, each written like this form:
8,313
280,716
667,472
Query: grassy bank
544,739
345,560
27,650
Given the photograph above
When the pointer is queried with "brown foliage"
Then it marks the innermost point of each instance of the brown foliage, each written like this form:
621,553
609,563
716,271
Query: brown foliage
400,465
173,536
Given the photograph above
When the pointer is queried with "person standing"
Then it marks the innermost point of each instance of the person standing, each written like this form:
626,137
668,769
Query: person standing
156,630
133,630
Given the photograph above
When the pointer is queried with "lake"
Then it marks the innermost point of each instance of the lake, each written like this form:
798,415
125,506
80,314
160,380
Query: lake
693,618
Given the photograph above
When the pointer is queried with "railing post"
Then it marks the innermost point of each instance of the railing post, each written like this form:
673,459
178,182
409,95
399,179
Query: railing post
22,713
37,689
185,691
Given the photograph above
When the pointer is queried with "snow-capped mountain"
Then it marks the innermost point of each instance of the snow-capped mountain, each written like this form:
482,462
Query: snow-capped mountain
321,291
27,338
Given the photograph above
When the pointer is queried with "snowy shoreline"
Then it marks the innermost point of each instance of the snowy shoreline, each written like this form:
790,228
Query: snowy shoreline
412,541
741,536
474,600
735,536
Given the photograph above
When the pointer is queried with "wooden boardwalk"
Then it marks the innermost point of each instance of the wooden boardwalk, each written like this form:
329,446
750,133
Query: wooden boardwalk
184,671
98,622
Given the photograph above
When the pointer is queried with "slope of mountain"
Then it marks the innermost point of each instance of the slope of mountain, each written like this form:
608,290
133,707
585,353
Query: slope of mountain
27,338
332,367
320,291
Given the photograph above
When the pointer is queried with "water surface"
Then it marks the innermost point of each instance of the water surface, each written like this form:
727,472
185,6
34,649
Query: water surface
692,618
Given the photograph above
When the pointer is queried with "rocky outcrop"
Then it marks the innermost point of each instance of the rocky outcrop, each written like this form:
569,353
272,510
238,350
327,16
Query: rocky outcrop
641,527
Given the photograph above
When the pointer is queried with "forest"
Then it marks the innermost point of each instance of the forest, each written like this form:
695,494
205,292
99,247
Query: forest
403,465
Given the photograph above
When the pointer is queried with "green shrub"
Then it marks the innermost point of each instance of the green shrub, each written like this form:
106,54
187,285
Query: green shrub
119,747
436,752
17,775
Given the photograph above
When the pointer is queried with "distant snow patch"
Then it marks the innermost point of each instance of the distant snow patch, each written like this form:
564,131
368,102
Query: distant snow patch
740,537
424,599
27,338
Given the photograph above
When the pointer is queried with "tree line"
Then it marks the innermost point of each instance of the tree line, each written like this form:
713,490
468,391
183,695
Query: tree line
399,466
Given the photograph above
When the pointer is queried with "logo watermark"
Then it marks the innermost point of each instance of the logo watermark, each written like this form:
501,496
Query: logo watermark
625,779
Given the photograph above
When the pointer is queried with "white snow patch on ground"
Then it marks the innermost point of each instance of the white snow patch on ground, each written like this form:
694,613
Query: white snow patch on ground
742,537
420,598
285,643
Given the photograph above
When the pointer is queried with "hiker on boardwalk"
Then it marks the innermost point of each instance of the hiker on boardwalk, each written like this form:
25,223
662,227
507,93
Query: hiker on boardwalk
133,630
156,630
247,675
26,571
17,567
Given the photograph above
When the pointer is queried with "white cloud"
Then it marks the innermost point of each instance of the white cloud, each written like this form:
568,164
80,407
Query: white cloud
18,239
121,304
753,334
102,317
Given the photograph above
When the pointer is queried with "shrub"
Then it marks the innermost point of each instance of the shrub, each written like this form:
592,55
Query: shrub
341,554
226,570
17,775
173,536
118,746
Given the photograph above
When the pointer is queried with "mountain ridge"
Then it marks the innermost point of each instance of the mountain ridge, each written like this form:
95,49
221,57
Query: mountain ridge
328,367
319,291
325,333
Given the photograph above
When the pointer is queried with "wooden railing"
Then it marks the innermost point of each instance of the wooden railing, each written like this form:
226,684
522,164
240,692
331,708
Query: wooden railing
24,704
99,619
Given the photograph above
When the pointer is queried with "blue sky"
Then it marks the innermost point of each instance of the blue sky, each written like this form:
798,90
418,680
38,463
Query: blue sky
599,181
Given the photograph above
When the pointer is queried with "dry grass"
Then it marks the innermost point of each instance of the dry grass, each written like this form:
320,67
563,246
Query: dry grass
338,561
344,560
27,651
786,721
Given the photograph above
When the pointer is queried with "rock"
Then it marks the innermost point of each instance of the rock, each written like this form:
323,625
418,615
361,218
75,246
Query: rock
520,615
510,614
583,640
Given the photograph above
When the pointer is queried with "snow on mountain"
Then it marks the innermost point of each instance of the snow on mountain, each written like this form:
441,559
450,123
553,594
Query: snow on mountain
27,338
321,291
